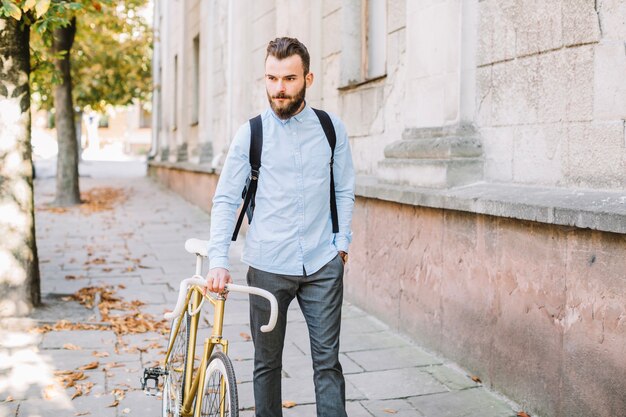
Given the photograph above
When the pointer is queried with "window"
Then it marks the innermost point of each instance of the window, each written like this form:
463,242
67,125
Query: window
375,39
195,104
175,100
364,41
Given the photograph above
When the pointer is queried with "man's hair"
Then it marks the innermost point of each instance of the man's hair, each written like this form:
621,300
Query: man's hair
281,48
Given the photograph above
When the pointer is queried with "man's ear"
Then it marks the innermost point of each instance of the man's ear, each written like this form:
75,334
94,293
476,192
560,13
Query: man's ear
308,79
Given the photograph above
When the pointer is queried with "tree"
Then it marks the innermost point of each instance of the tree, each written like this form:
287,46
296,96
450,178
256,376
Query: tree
67,190
19,270
102,58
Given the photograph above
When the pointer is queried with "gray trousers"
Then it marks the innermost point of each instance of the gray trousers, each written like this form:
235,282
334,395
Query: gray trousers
320,296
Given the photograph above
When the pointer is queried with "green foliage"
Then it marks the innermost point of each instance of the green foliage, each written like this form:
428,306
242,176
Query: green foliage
110,58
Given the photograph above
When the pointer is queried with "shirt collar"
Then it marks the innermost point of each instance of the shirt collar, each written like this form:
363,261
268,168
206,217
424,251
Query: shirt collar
300,117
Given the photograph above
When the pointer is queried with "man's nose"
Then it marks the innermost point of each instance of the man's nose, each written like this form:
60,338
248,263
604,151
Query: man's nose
281,85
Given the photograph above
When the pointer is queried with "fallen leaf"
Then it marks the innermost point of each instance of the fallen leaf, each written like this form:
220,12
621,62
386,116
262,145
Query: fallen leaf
69,378
9,399
70,346
390,411
121,286
100,354
114,404
113,365
90,365
522,414
476,379
84,413
70,277
245,336
289,404
78,392
126,411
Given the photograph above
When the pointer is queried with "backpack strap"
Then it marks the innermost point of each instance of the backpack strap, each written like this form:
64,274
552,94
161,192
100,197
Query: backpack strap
329,131
249,191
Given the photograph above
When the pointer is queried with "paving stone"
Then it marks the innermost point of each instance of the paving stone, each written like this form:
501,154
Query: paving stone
386,408
125,377
63,359
452,378
397,383
353,409
393,358
368,341
139,404
466,403
9,409
87,339
348,365
360,324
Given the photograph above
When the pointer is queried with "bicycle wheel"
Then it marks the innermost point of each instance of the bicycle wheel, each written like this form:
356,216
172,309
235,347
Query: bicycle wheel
220,389
175,369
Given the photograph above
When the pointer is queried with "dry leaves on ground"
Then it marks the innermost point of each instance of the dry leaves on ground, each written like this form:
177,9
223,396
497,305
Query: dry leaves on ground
68,379
134,321
70,346
390,411
93,201
82,389
90,365
289,404
67,325
119,396
245,336
522,414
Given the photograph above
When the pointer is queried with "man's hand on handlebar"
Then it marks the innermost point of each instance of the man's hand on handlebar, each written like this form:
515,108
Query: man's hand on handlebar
217,278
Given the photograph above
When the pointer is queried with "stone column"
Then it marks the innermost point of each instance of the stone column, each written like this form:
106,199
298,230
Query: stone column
439,148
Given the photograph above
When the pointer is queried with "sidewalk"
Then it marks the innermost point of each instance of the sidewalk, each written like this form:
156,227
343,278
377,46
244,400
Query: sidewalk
136,249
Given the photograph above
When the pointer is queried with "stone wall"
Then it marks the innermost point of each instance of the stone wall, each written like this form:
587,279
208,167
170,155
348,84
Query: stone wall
551,91
535,311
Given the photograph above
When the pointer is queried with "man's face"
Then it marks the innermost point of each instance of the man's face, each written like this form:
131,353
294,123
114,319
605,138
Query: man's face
286,85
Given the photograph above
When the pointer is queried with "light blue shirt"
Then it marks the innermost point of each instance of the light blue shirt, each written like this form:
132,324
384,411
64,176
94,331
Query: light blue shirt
291,227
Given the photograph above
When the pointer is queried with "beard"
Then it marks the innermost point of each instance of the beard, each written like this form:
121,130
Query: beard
289,108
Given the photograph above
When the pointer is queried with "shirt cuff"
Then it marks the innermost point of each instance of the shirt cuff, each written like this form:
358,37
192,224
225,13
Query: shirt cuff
342,244
219,262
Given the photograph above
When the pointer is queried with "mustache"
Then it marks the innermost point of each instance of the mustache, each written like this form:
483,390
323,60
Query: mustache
281,95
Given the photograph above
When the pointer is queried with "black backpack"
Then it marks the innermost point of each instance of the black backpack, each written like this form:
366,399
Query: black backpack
256,145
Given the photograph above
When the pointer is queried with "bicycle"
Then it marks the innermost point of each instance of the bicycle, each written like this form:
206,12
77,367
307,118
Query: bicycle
209,389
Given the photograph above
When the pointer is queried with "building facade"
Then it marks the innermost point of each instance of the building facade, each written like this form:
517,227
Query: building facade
489,138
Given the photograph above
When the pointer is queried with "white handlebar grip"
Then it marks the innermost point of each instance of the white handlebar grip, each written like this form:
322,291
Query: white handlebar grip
182,294
265,294
200,281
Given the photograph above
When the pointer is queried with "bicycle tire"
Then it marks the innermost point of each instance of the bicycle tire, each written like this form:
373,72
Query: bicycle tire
219,369
175,369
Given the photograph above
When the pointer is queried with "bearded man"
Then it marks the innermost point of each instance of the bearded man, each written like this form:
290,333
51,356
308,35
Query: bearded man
297,242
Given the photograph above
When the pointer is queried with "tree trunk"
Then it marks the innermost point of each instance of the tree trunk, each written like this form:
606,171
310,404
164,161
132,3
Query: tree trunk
19,269
67,192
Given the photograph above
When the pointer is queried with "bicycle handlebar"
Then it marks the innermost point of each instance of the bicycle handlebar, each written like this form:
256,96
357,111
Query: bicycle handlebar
200,281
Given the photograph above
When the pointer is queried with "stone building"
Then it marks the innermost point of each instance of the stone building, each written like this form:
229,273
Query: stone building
489,138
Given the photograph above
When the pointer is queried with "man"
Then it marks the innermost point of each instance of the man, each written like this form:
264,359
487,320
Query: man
290,246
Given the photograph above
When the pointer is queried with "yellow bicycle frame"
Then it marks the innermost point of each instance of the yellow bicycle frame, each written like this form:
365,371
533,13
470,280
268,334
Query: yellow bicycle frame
192,388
